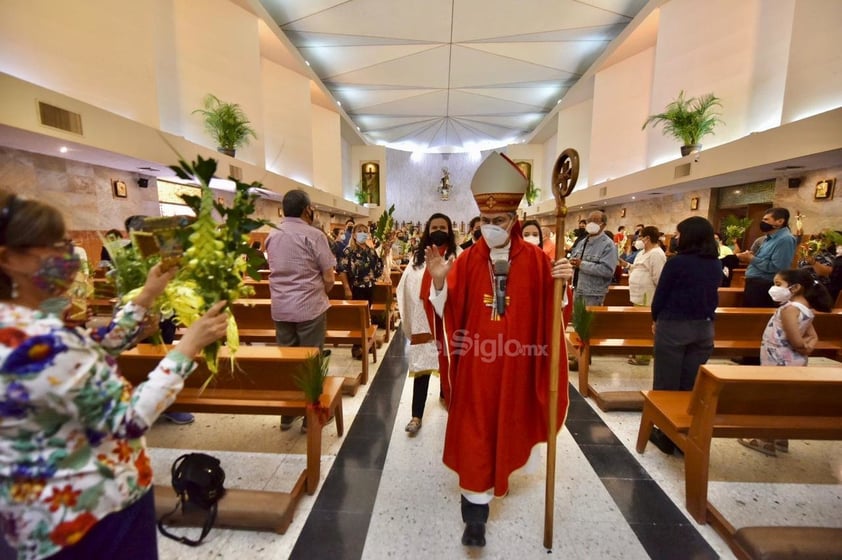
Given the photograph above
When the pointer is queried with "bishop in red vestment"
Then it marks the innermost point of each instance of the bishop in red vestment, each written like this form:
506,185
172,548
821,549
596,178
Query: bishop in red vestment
497,378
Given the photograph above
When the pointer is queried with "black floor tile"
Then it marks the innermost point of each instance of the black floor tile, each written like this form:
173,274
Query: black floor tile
349,489
666,542
362,452
643,501
338,535
613,461
590,432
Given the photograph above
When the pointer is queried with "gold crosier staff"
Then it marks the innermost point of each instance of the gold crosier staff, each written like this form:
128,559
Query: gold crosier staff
565,174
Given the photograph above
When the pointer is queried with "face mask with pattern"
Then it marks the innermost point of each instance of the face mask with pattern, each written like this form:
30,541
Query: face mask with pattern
56,274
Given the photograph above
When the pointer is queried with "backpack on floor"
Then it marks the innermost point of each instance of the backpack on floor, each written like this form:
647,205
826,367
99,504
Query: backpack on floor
198,480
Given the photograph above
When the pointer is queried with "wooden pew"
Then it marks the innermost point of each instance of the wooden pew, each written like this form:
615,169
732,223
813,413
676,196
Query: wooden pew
263,383
383,301
349,322
741,401
619,296
261,288
738,278
838,303
337,291
738,330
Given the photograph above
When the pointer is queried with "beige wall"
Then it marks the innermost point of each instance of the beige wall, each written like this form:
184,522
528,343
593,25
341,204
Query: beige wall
327,151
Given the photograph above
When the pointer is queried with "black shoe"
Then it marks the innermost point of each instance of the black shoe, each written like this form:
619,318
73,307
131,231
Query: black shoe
474,534
661,441
573,365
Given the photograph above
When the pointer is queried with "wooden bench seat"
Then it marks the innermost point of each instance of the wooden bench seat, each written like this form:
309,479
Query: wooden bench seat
383,302
738,331
741,401
619,296
348,322
264,382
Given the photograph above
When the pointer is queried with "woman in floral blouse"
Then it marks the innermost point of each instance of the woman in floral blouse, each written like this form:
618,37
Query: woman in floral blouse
359,268
75,476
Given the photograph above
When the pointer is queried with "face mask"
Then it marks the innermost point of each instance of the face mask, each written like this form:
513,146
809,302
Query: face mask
438,237
361,237
579,231
592,228
56,274
477,234
495,236
766,228
639,245
532,240
779,294
839,251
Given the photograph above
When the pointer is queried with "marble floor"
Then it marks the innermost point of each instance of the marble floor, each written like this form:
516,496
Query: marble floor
386,495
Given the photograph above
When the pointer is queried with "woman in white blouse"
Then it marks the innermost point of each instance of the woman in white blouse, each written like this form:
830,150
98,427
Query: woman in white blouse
644,274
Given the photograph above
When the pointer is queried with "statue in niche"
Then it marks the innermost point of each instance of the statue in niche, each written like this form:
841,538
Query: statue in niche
444,184
370,174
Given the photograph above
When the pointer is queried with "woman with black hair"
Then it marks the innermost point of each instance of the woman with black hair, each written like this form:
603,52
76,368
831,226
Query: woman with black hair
683,312
419,321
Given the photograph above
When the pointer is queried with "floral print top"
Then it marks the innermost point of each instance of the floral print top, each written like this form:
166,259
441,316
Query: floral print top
361,264
71,428
775,349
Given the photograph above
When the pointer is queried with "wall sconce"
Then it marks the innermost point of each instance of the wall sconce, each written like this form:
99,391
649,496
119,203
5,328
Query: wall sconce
623,213
444,184
694,203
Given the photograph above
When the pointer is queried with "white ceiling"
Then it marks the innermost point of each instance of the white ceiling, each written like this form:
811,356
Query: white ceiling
450,75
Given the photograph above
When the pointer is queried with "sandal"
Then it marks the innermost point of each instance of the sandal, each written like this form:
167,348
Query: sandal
637,361
767,447
413,426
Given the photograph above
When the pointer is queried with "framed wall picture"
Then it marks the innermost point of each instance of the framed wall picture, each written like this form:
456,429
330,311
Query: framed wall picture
824,189
694,203
119,188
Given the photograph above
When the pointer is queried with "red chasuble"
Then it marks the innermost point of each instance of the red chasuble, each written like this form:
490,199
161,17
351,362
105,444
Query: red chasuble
498,370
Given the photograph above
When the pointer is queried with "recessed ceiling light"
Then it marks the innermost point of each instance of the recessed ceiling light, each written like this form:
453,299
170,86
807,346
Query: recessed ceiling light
63,149
307,62
339,103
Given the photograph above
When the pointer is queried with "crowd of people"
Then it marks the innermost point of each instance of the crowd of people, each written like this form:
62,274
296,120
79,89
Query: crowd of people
476,310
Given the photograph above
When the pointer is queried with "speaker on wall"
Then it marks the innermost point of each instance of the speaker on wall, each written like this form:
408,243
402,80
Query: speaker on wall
794,182
143,182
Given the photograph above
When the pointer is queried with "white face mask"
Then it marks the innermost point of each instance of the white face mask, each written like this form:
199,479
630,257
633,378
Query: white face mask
839,250
592,228
532,239
639,245
495,236
361,237
779,294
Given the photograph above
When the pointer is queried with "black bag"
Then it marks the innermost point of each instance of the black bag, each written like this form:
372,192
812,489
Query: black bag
198,480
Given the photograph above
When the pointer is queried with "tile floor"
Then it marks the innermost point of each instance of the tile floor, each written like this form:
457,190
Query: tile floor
385,495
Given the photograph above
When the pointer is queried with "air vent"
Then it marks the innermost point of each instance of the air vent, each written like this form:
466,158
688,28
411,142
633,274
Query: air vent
681,171
235,172
56,117
788,167
603,192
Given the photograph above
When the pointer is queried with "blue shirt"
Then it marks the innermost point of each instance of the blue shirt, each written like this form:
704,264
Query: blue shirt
773,256
688,289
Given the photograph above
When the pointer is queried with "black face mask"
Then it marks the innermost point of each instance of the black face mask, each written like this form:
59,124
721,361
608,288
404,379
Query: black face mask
438,237
579,232
477,235
766,227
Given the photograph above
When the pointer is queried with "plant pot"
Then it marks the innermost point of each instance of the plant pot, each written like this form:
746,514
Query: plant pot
691,149
231,152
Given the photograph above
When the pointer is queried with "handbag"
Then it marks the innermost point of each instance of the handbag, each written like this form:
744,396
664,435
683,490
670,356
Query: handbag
198,480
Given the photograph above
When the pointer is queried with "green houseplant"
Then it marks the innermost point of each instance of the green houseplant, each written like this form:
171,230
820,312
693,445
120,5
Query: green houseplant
226,123
688,119
532,193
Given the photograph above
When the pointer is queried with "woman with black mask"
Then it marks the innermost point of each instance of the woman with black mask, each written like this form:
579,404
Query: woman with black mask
419,321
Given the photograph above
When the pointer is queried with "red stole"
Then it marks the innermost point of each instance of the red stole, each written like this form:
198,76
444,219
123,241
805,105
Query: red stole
435,323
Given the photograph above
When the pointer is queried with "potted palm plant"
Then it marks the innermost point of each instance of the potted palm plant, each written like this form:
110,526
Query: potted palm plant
688,119
532,193
226,123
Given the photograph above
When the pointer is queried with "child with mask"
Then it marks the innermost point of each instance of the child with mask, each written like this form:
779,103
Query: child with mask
789,337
